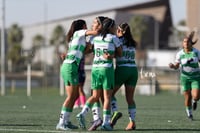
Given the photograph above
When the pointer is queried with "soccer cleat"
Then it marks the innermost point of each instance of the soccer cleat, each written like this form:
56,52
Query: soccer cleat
190,117
194,105
71,126
106,127
131,126
62,127
95,124
115,117
81,121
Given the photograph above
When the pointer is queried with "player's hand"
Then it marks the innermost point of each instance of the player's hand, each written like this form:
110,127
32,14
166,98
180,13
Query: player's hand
108,56
171,65
62,56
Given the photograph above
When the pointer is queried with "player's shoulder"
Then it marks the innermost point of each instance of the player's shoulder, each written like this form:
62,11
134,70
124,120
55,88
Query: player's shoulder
111,36
180,52
195,50
80,32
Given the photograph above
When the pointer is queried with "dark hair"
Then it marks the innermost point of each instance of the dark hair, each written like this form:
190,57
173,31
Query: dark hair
190,38
108,23
100,19
129,40
75,26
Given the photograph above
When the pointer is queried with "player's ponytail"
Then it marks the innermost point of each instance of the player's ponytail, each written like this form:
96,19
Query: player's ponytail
108,23
190,38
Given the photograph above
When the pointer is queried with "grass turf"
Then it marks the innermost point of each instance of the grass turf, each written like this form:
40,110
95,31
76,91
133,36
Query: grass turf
164,112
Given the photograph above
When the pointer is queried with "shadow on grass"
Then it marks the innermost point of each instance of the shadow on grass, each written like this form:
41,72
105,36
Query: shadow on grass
20,125
196,120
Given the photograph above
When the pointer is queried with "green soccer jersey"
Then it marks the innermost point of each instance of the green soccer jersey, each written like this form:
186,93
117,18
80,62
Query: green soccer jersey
76,47
128,56
189,63
101,46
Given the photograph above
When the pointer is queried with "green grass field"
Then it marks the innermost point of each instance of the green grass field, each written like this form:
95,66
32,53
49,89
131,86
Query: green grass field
164,112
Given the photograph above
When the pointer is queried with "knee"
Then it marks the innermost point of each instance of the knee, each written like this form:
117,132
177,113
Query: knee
196,95
95,97
73,97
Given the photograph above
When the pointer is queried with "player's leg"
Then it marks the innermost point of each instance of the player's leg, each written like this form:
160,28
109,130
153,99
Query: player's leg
67,108
186,88
108,84
82,95
71,86
188,104
96,83
106,110
92,99
129,90
77,102
116,115
195,93
120,78
97,121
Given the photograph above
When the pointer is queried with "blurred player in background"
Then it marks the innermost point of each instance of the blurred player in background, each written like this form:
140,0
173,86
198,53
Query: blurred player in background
188,58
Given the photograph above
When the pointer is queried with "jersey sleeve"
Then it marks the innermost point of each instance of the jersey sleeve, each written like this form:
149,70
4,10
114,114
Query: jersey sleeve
81,32
198,52
116,41
91,40
177,58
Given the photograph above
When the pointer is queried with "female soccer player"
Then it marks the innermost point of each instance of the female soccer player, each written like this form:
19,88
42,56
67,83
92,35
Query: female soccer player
189,58
69,70
105,45
97,121
125,73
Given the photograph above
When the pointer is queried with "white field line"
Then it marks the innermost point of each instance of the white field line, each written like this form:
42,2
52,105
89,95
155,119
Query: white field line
35,131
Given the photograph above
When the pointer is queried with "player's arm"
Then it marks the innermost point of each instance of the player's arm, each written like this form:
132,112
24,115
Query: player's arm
118,47
89,48
108,56
91,32
174,66
119,51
